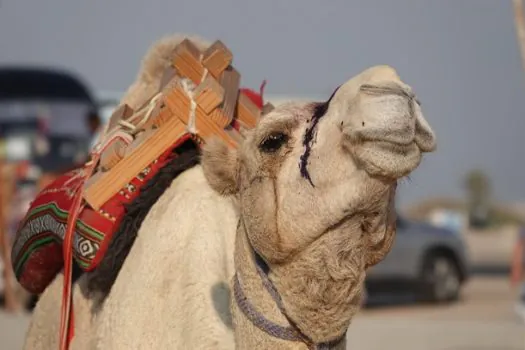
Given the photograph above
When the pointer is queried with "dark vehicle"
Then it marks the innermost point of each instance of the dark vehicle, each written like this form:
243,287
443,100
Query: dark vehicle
430,261
44,130
43,117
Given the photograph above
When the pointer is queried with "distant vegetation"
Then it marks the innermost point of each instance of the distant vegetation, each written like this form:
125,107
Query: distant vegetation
478,187
478,207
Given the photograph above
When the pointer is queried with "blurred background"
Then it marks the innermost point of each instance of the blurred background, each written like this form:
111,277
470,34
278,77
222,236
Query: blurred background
446,284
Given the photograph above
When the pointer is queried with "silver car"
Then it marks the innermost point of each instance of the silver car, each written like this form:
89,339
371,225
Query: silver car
429,261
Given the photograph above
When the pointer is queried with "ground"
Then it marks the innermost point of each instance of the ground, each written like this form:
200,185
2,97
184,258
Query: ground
483,320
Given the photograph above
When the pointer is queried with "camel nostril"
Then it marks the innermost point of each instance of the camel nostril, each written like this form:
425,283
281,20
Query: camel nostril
363,123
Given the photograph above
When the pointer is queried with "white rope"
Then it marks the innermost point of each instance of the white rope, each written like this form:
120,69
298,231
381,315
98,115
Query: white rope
205,71
150,107
188,87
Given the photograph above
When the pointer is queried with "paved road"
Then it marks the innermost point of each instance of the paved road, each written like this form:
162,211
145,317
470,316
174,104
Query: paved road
12,330
484,320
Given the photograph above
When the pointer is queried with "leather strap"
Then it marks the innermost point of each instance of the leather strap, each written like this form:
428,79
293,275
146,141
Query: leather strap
289,333
66,314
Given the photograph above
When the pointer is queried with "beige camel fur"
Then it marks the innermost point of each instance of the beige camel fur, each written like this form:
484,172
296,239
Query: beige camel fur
43,329
319,239
318,227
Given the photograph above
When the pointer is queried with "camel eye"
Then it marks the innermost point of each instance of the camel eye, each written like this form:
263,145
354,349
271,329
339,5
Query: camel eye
273,142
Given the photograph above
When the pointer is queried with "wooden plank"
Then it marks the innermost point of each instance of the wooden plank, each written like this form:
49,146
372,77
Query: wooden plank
163,116
98,193
113,154
193,70
155,118
179,104
230,81
247,112
188,46
186,61
139,140
122,112
167,77
209,94
217,58
171,84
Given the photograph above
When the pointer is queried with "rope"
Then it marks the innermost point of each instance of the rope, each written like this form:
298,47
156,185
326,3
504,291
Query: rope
189,87
290,333
134,129
205,71
258,320
66,312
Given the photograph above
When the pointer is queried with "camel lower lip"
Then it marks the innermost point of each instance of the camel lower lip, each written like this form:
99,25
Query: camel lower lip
389,159
391,146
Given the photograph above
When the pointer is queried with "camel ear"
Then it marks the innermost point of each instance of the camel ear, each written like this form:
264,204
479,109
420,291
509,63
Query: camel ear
381,237
220,165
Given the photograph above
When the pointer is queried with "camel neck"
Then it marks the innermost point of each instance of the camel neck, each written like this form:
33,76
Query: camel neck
259,317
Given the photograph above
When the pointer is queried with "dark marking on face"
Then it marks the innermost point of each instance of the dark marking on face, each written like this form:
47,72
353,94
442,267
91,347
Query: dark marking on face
319,111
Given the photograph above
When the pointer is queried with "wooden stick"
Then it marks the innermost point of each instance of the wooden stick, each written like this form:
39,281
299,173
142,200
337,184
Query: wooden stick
247,112
139,140
519,21
122,112
186,61
99,192
179,104
230,81
113,154
209,94
217,58
167,77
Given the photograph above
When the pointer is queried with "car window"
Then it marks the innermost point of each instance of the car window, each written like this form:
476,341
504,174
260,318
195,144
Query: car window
52,134
61,153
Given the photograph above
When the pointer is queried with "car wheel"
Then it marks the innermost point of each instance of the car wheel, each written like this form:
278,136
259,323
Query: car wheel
440,279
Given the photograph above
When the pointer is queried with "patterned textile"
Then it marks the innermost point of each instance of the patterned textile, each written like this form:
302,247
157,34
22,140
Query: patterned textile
37,250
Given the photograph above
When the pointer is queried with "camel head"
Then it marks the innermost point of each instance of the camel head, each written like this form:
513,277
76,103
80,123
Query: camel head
306,170
316,183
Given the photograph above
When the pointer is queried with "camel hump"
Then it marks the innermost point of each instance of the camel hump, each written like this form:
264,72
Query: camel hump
186,93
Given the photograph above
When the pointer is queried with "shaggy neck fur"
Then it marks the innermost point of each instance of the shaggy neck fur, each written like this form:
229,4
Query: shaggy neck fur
320,291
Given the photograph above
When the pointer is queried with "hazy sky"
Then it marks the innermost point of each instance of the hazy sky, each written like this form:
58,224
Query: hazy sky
460,56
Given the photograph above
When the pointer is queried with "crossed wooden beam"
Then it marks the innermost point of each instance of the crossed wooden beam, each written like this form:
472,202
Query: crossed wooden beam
208,110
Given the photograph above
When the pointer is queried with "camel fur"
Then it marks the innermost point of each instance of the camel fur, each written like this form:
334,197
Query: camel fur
310,190
43,329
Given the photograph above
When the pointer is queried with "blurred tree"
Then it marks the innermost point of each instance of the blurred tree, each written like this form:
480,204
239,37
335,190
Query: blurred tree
519,21
478,189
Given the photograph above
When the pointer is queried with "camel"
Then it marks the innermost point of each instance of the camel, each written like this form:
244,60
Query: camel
271,240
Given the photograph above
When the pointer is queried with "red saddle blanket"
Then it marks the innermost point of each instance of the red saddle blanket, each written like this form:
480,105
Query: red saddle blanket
37,250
